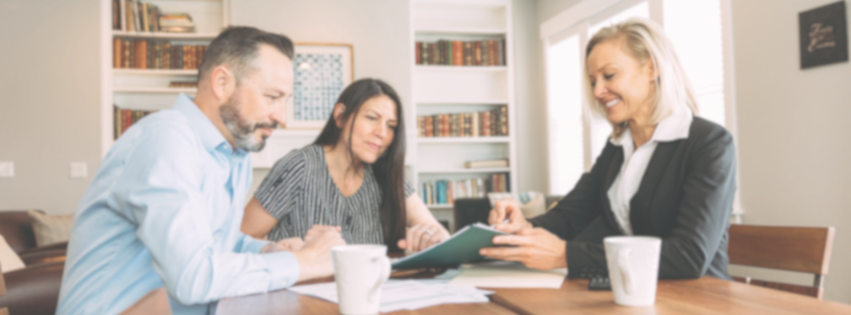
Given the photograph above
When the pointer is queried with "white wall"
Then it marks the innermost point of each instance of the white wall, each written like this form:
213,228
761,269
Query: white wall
793,132
531,105
49,100
550,8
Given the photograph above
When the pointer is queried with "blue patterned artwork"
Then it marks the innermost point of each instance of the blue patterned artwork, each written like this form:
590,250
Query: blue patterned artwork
318,83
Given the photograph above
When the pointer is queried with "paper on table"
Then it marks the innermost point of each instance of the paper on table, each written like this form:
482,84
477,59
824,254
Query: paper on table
405,294
503,274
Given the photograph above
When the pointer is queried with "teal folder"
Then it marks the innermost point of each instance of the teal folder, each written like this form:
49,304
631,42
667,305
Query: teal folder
463,247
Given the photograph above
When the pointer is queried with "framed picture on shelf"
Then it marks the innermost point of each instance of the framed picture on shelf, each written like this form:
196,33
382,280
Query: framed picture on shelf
321,72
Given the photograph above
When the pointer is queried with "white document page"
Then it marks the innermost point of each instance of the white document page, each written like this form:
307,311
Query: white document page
502,274
405,294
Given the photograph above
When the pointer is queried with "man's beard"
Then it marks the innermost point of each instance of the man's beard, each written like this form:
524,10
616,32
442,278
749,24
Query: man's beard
241,129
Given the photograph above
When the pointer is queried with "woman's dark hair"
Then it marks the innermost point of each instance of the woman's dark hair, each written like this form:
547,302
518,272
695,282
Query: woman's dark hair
389,168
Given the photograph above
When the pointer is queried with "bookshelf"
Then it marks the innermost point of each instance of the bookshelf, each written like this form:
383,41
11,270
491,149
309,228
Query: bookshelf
452,89
148,89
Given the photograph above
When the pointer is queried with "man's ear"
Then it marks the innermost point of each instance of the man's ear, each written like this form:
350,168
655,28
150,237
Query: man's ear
222,82
339,109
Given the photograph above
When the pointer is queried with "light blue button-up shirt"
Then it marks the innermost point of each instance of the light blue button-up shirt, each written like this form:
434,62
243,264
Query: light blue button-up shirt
164,210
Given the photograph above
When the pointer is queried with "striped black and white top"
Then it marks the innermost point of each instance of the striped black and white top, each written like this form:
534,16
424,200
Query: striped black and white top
299,192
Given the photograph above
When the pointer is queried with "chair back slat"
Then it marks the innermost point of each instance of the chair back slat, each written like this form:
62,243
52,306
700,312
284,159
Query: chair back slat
2,284
3,310
804,249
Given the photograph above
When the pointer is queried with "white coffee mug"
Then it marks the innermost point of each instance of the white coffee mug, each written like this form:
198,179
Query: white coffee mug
633,268
359,271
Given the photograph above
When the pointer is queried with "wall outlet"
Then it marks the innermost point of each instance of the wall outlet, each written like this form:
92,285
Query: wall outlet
79,170
7,169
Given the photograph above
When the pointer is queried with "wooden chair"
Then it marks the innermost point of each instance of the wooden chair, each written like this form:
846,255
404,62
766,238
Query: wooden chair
3,310
803,249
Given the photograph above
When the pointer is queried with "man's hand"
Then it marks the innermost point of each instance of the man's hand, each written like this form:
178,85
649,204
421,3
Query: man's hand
423,236
314,259
284,245
536,248
508,209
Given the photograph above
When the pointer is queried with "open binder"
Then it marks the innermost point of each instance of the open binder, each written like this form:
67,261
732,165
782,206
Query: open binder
463,247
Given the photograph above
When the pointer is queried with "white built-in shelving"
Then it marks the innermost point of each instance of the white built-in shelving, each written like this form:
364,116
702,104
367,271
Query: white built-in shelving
438,89
147,89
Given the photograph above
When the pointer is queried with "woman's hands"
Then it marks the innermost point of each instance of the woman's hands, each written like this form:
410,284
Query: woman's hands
422,236
284,245
536,248
508,209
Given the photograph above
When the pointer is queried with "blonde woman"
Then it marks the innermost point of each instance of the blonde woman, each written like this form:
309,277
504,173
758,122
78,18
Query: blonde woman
663,172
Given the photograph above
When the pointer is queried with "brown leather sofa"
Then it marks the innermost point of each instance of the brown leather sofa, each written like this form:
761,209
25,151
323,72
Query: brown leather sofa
34,289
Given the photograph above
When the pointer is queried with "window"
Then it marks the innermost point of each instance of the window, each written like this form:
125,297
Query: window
576,137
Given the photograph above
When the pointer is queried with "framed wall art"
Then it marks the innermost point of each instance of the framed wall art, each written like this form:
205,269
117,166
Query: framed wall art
321,72
824,35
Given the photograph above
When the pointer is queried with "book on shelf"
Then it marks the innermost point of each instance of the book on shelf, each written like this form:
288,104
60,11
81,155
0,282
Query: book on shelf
138,16
176,23
124,118
155,54
478,124
487,163
444,192
183,84
461,53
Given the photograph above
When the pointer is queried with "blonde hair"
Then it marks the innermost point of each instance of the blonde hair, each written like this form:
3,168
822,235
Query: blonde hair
645,40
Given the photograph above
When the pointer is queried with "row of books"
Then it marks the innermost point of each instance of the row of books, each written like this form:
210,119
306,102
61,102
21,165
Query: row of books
137,16
479,124
183,84
446,191
461,53
155,54
124,118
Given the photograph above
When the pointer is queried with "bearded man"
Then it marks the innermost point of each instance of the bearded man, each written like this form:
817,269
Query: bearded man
157,230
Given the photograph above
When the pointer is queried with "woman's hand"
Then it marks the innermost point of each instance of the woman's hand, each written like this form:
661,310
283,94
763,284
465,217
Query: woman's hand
318,229
284,245
508,209
423,236
536,248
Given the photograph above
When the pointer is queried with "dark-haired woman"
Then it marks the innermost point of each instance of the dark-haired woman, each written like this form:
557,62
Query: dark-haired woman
351,177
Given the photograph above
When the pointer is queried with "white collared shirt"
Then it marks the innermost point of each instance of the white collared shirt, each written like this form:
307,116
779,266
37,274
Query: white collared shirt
635,162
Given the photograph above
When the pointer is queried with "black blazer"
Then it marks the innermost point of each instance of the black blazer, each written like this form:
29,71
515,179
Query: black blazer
685,198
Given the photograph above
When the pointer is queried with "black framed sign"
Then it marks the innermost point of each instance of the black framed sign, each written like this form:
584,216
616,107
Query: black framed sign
824,35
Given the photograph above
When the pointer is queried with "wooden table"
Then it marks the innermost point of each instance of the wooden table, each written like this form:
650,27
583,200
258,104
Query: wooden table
706,295
700,296
289,302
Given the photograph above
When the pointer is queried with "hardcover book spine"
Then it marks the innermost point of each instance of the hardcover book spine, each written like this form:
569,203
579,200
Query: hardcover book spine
502,56
150,54
418,55
503,120
436,128
116,52
429,126
468,54
478,51
116,122
458,53
475,125
425,58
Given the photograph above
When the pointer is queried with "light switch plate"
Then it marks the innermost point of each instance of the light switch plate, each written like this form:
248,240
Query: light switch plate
79,170
7,169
